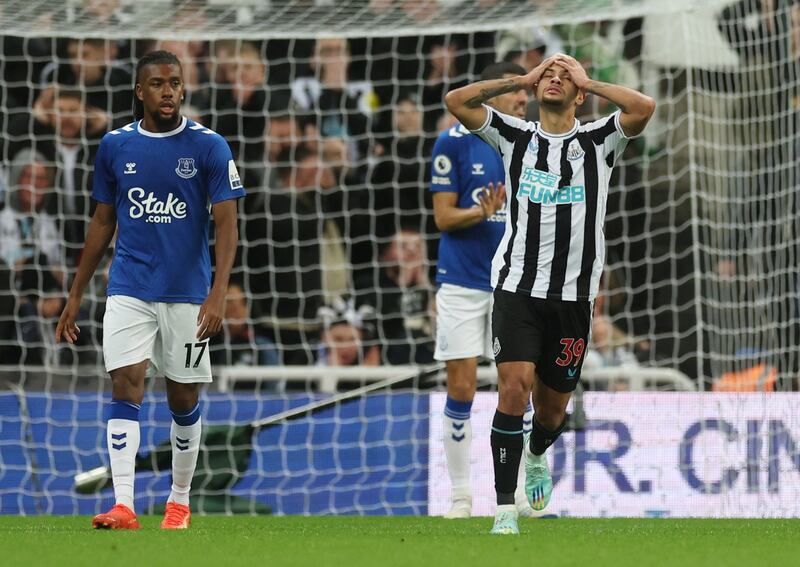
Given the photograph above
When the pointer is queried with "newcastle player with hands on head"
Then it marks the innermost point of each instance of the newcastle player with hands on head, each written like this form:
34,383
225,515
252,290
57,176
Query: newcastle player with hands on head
546,270
157,180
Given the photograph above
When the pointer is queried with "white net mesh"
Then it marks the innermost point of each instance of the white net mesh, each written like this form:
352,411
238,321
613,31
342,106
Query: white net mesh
333,140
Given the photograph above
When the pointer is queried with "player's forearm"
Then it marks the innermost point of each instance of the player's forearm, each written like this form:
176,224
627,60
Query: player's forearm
465,103
98,238
227,238
455,218
628,100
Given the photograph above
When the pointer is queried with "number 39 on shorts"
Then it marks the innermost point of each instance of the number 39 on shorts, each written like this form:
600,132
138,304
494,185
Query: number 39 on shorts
571,352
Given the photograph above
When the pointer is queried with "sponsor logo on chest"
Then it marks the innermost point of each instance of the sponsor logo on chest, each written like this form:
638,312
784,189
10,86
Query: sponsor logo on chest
154,210
542,187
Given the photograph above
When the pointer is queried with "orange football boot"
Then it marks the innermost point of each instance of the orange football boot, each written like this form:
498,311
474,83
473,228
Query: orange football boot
176,517
120,517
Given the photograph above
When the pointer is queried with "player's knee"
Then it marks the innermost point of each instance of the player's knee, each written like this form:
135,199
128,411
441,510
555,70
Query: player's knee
182,397
461,391
461,384
514,396
127,387
550,416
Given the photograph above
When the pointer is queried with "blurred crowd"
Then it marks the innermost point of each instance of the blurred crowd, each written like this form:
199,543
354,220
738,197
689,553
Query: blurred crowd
333,140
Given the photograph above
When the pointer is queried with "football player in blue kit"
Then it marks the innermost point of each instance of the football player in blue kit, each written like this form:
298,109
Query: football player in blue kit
156,182
469,208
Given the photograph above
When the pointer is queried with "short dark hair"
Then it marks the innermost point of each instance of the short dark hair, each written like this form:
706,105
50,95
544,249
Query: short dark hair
159,57
497,70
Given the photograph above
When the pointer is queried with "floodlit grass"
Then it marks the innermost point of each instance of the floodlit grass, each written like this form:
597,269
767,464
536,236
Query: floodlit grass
381,541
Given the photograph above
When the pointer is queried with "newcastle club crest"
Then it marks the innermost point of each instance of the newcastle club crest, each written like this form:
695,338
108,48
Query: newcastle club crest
186,168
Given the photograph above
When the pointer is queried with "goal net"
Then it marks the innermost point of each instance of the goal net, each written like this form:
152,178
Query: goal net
331,110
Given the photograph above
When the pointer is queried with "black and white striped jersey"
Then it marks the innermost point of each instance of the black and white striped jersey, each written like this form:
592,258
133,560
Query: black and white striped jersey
557,185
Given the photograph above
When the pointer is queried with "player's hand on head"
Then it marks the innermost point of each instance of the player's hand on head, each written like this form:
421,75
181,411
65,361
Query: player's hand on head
576,71
67,328
535,75
209,320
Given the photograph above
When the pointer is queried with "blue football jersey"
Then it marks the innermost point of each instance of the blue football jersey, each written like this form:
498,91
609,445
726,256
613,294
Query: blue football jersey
465,164
162,186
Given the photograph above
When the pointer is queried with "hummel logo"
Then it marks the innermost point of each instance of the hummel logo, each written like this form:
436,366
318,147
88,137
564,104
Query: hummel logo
182,444
477,169
130,168
458,438
119,436
119,446
458,426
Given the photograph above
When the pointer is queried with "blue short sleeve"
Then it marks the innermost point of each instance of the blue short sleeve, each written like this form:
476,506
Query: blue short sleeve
223,178
444,164
104,185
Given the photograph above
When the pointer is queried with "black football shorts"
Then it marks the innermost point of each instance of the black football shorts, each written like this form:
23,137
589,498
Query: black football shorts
550,333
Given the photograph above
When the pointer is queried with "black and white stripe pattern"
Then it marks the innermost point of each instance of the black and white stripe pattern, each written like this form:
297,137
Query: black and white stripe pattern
553,246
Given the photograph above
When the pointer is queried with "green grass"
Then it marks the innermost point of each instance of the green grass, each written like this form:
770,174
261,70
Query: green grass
356,541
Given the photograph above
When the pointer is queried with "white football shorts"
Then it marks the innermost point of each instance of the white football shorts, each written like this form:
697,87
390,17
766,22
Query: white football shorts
164,333
463,323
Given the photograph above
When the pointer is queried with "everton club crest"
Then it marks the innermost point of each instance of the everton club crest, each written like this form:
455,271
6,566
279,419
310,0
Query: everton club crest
186,168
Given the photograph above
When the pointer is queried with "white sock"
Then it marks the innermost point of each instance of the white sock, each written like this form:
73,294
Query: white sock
457,442
122,437
185,448
527,419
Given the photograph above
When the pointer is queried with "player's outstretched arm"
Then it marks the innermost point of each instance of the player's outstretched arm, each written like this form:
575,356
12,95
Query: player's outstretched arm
636,108
209,320
98,237
466,103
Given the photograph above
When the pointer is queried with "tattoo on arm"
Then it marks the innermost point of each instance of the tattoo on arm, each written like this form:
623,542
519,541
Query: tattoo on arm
508,86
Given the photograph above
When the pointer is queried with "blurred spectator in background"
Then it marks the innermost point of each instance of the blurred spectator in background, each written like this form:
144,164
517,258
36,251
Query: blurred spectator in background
66,134
296,254
609,345
9,349
403,298
348,335
106,83
441,75
30,242
342,107
239,343
400,177
102,13
31,246
241,103
753,373
529,46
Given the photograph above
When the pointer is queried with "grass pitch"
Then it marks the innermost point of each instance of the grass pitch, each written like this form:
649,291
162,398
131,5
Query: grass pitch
380,541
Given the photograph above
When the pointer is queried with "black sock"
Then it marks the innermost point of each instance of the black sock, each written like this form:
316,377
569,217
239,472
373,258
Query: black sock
542,438
507,452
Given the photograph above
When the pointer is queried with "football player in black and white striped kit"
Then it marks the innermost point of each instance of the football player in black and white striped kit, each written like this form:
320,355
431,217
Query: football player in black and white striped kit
546,271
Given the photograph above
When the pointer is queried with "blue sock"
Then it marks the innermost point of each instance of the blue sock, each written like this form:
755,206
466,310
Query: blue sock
457,410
